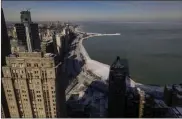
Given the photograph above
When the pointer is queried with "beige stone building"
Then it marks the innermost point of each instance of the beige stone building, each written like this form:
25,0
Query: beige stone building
29,83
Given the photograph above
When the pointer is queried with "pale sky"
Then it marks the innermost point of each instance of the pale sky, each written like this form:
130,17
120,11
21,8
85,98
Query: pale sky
145,11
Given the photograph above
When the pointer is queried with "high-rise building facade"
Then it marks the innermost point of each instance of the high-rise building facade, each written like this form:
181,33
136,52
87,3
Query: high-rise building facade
34,36
5,41
25,17
5,47
117,89
27,32
21,35
29,83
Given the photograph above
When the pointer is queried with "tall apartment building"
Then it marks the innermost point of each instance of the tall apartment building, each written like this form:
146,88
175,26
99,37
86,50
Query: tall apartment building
30,81
117,89
5,47
21,35
5,41
27,32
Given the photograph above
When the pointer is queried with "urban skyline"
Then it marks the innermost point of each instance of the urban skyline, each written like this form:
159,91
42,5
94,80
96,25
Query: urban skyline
131,11
47,72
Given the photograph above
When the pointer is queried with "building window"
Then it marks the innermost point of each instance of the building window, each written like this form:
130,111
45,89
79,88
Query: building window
35,65
16,75
38,91
36,72
7,72
39,100
17,71
28,65
8,90
21,64
9,95
13,65
13,71
23,91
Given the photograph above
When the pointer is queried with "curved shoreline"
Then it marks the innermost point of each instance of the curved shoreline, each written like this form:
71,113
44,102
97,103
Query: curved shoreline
98,68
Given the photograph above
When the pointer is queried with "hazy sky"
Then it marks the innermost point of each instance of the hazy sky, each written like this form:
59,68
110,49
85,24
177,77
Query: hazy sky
146,11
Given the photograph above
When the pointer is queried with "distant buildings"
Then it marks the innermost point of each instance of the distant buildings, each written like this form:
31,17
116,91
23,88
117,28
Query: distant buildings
173,95
47,47
21,35
33,84
31,80
16,47
27,32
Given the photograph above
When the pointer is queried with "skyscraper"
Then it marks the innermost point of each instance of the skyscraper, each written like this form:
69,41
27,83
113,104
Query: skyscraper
25,17
5,47
5,42
30,84
117,89
27,32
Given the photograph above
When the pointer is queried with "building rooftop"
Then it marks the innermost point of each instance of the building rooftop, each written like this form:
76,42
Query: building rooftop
169,87
178,88
160,104
117,63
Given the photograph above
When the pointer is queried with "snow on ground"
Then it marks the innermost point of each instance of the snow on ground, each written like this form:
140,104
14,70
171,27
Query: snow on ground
130,82
99,69
84,52
102,70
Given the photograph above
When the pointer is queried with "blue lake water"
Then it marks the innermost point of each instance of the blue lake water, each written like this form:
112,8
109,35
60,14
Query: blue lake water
153,50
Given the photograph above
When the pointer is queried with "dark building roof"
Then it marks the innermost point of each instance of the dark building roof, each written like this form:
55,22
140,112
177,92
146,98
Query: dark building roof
117,63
